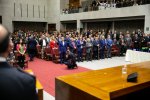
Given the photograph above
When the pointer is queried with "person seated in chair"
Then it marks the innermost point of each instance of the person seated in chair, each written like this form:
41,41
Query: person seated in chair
71,60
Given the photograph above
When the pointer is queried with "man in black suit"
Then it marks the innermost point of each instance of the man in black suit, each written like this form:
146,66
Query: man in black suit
14,83
32,47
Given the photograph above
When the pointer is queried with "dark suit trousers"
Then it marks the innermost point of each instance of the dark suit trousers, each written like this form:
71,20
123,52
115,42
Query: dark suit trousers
62,57
102,51
32,53
79,55
21,59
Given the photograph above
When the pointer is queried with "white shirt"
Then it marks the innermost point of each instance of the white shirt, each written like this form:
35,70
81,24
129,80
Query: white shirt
44,43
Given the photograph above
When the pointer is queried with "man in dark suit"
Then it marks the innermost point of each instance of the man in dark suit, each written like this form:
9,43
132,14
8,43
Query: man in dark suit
95,48
62,50
14,83
102,44
32,47
79,45
136,42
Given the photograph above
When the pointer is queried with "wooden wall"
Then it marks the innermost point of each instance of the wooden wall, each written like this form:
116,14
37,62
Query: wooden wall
74,3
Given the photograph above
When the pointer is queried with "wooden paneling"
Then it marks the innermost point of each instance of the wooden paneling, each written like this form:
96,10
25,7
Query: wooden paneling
51,27
105,84
74,3
32,26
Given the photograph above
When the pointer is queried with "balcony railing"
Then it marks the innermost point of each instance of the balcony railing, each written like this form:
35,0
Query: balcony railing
103,6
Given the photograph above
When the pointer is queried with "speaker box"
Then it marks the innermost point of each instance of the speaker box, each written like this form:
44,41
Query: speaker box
132,77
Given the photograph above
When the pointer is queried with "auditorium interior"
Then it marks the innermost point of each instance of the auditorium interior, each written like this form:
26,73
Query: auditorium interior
83,49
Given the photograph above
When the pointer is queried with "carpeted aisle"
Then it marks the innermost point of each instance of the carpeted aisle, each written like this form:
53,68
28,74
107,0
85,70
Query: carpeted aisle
46,71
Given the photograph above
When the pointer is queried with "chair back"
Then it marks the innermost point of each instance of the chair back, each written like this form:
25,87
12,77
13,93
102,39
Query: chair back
56,51
47,50
38,48
114,47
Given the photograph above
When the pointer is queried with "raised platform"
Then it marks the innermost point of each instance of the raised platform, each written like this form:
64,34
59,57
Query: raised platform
105,84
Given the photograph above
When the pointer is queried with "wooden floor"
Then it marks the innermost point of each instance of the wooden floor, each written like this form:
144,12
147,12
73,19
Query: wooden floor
105,84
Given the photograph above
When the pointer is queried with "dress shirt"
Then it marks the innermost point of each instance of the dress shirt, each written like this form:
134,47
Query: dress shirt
44,43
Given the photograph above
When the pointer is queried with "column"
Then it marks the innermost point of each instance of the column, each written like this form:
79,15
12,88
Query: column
46,27
79,25
85,27
65,27
60,27
8,23
113,26
147,24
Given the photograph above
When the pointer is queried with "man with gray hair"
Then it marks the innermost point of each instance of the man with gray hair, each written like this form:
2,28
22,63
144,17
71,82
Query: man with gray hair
15,84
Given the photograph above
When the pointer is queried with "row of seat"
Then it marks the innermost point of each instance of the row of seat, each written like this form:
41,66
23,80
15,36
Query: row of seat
54,55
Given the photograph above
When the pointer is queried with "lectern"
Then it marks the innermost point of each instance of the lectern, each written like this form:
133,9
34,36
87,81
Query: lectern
105,84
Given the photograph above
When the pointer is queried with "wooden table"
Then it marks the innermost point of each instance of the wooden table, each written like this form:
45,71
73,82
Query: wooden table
39,87
105,84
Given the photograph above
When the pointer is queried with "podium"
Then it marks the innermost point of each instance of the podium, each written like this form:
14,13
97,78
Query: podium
105,84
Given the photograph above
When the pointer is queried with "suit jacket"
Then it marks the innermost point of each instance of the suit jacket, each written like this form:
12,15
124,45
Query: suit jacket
117,36
67,41
88,47
72,46
109,43
95,43
16,84
62,48
102,43
128,41
41,42
79,45
32,44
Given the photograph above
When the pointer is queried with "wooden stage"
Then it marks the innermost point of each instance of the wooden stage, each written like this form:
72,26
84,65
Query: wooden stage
105,84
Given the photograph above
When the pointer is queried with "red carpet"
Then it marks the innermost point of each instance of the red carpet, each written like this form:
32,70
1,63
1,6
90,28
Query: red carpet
46,71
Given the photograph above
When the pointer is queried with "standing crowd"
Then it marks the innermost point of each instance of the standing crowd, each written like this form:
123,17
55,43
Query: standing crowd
90,45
